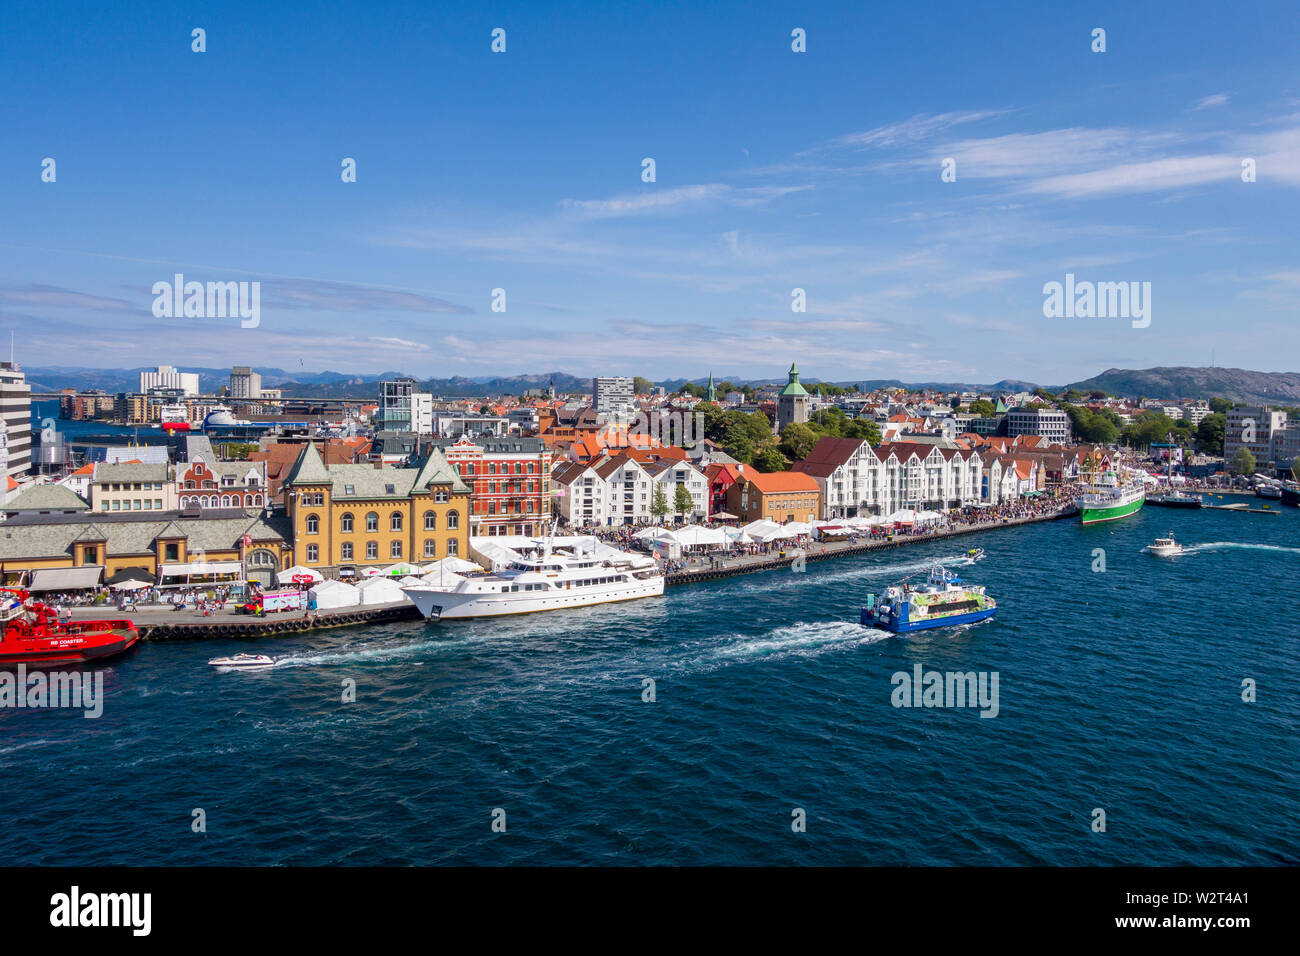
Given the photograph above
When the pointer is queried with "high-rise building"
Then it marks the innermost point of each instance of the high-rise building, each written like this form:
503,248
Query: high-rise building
16,415
1252,427
167,377
613,397
1050,423
403,409
245,383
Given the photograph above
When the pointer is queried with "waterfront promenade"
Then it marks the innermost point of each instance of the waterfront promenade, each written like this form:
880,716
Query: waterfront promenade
162,622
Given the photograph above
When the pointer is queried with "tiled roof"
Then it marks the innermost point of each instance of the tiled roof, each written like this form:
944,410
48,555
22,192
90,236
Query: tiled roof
52,536
46,498
130,472
779,482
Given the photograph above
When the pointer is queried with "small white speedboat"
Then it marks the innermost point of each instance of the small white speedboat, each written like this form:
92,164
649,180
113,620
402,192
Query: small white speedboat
243,660
1165,547
975,554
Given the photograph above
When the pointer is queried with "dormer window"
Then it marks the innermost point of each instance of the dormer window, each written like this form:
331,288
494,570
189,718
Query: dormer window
349,489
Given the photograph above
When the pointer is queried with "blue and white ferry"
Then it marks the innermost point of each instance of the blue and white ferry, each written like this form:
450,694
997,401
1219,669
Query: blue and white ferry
944,600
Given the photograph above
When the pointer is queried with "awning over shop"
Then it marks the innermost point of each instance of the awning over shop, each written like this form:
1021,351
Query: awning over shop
199,569
65,579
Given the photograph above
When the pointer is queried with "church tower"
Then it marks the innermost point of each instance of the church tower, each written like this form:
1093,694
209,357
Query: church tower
792,404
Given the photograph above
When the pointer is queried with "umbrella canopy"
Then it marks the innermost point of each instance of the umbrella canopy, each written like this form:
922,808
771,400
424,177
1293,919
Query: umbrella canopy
299,575
130,585
129,579
724,516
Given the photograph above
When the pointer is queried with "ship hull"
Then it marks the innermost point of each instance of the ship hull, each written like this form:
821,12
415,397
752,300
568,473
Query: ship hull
925,623
52,651
1094,514
453,605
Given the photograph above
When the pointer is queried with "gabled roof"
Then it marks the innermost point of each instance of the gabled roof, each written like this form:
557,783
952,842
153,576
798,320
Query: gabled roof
308,469
828,454
436,470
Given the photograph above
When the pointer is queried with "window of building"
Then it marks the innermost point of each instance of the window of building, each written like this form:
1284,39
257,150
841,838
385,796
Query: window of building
390,490
453,547
453,520
349,489
372,521
395,549
172,552
395,521
345,523
90,556
313,524
430,521
372,550
313,553
441,496
430,548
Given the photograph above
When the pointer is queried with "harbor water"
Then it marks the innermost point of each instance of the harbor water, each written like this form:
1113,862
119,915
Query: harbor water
1119,679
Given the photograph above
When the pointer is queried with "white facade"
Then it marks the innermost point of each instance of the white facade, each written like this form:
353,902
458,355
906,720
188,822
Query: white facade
672,474
245,383
167,377
16,418
613,396
1252,427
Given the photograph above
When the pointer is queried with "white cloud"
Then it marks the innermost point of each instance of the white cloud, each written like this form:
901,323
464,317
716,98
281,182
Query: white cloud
1215,99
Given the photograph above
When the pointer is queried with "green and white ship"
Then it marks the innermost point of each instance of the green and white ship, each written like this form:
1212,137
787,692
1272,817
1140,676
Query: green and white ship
1109,498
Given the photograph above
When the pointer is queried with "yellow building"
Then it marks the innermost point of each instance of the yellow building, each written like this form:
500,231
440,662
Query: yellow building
376,514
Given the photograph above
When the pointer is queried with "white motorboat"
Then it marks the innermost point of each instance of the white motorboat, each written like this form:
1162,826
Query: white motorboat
551,579
244,661
1165,547
975,554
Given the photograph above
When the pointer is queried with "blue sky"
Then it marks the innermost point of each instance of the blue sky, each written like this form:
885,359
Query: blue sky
775,170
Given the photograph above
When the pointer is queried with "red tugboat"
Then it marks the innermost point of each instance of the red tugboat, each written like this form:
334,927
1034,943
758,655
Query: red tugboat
33,634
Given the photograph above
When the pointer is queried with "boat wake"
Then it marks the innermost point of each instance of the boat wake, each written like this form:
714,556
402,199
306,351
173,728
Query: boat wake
794,640
1225,545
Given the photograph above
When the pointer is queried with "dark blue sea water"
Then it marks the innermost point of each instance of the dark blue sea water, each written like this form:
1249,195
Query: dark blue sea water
1119,690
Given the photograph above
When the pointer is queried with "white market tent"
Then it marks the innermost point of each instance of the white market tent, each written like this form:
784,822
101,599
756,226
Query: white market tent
762,524
646,534
697,537
903,516
451,564
370,572
334,594
400,570
288,574
380,590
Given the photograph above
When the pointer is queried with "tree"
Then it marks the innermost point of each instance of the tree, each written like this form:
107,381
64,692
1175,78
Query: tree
737,443
682,502
770,459
1243,463
658,503
1220,406
797,441
983,408
641,386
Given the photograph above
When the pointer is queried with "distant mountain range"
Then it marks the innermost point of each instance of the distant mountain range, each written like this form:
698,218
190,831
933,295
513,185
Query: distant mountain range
1236,384
1241,385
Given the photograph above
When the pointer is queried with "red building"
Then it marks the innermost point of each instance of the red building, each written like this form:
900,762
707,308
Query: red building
509,480
221,484
721,478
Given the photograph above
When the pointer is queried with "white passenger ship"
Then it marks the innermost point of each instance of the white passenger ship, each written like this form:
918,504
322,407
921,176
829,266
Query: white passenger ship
555,578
